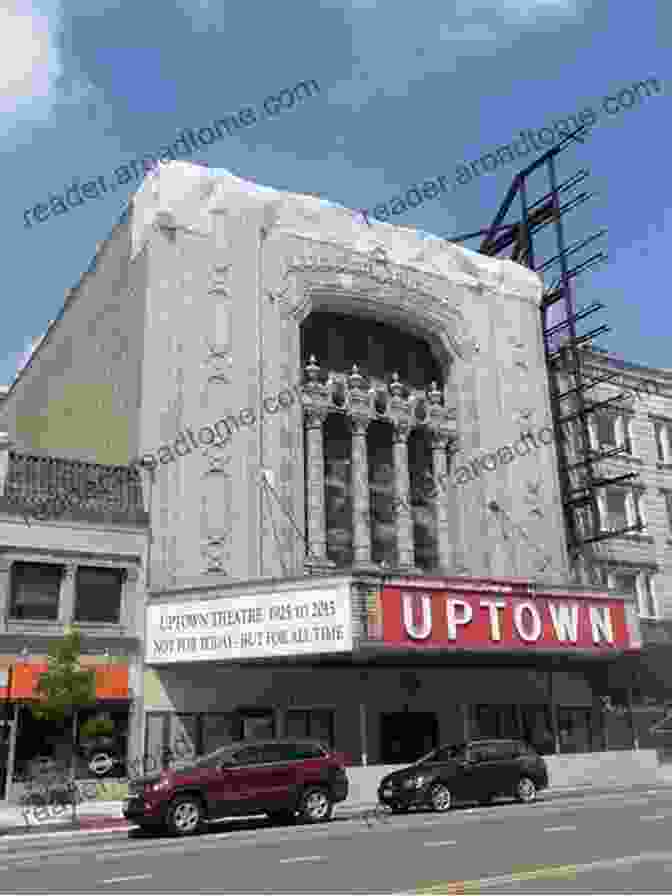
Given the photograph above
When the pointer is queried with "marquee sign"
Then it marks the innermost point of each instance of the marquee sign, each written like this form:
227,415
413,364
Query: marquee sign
479,616
282,623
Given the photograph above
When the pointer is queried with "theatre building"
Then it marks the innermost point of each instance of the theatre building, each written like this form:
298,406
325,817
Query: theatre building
384,669
344,437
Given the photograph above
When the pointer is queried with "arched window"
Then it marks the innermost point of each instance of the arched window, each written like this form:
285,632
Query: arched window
378,391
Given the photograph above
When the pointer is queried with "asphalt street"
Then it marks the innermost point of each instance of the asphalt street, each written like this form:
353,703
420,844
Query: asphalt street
618,842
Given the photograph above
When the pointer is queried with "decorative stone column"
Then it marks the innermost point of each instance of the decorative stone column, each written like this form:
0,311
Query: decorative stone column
66,603
131,611
6,446
317,519
361,517
402,492
444,545
5,591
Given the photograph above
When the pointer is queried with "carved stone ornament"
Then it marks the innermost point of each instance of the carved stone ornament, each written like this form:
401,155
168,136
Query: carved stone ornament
217,464
214,553
220,362
219,278
442,310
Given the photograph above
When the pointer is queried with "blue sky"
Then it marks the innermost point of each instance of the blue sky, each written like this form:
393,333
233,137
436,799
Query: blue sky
408,91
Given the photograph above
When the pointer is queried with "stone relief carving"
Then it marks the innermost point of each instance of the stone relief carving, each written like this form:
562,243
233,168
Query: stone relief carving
217,464
376,268
219,278
214,552
216,540
534,497
220,361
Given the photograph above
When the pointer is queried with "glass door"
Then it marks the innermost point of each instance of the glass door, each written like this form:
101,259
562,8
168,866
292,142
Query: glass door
257,724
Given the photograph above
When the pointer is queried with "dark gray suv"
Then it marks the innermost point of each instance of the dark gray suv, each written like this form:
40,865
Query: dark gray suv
477,771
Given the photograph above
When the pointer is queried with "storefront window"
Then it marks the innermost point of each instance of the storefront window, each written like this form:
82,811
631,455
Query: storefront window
316,724
489,720
154,739
575,730
218,730
537,728
257,724
184,736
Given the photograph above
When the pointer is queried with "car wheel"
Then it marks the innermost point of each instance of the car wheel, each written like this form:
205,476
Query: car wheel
185,815
440,798
526,791
315,806
283,816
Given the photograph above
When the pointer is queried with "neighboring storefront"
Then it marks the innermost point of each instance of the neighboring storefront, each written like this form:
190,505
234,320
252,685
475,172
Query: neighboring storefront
383,669
33,741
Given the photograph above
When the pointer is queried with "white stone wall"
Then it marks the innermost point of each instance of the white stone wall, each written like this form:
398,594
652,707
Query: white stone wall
233,270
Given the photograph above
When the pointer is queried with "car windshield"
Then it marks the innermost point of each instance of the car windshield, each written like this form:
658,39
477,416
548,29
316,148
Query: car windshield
441,753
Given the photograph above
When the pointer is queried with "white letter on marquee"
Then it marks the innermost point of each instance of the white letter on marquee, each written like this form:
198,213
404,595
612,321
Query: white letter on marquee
493,606
600,623
452,620
565,625
424,630
518,621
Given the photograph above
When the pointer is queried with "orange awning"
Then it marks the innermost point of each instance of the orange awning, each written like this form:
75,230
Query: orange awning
111,681
5,675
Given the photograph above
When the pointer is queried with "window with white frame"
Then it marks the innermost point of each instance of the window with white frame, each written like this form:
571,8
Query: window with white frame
98,594
36,589
621,508
623,581
646,596
668,507
609,430
613,506
661,430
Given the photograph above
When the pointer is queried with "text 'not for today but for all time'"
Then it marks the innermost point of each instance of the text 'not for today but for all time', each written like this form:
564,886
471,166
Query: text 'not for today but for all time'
315,613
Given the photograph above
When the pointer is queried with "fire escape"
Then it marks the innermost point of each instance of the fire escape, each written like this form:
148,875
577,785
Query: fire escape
573,401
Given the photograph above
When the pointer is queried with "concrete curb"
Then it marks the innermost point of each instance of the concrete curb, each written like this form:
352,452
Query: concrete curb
92,824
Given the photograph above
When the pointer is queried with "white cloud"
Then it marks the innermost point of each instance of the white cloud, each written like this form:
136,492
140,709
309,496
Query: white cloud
29,58
32,80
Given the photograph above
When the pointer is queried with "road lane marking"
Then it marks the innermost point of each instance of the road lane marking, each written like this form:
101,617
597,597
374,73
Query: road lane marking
548,871
301,859
658,817
562,827
440,843
118,880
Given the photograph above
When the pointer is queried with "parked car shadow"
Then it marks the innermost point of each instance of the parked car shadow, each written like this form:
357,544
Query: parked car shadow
225,825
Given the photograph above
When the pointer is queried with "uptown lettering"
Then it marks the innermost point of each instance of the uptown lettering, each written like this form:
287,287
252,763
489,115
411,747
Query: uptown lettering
527,619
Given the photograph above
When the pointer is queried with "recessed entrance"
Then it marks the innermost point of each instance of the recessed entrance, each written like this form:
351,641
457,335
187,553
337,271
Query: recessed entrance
406,736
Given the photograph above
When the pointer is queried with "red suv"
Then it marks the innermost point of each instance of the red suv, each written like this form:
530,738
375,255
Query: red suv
281,778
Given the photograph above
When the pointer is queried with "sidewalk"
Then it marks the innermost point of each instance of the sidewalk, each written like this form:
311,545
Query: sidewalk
94,816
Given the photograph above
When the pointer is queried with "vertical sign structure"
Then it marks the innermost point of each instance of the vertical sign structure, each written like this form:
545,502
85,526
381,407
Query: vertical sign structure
488,617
